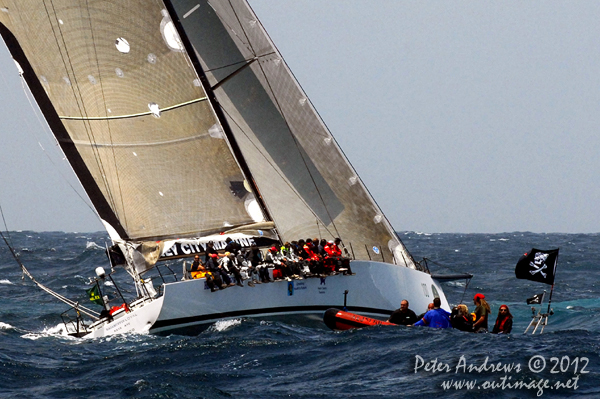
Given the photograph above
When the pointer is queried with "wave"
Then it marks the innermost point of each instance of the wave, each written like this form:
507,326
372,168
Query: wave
6,281
223,325
58,331
5,326
93,245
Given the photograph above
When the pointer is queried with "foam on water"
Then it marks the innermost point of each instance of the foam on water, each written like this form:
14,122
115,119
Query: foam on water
5,281
5,326
223,325
56,331
93,245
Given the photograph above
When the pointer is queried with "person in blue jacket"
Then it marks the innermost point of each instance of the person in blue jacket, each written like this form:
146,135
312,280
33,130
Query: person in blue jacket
436,317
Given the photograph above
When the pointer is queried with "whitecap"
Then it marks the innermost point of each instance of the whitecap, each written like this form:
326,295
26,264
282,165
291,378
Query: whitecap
6,281
5,326
223,325
92,244
56,331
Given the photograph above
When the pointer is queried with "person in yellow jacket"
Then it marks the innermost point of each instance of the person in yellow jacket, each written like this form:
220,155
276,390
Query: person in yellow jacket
197,270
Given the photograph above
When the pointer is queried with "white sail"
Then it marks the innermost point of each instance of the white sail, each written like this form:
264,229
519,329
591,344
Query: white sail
185,126
127,109
308,185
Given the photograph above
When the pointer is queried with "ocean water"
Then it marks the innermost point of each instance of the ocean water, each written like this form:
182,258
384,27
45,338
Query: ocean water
251,358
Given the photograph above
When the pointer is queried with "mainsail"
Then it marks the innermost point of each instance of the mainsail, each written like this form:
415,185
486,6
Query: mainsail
181,119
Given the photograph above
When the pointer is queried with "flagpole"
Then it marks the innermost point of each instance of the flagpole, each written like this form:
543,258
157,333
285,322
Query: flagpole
553,280
550,298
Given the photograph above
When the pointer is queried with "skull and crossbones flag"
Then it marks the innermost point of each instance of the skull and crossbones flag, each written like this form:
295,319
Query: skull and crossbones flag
535,300
538,265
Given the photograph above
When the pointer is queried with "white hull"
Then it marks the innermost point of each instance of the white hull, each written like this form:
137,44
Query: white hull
375,290
139,320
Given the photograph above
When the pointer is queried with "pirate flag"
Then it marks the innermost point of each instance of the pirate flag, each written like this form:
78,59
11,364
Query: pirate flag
538,265
535,300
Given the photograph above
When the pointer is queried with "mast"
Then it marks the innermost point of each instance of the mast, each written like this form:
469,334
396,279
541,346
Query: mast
237,153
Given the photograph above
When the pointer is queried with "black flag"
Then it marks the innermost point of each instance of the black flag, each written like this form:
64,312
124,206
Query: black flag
535,300
538,265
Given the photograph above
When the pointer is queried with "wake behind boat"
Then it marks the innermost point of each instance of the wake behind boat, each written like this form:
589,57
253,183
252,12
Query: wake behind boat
184,125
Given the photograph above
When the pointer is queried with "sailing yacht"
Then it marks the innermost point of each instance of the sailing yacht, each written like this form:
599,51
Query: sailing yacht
184,125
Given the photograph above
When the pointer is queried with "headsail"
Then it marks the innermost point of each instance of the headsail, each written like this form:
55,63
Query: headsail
127,108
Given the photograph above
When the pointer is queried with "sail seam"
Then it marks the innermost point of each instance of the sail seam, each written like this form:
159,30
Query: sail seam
108,126
77,94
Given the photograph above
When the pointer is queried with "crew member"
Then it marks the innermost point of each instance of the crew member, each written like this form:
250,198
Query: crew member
461,318
482,312
503,321
429,307
403,316
436,317
197,270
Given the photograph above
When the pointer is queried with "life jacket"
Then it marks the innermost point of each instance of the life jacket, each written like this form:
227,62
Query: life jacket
310,253
501,325
115,308
196,275
333,250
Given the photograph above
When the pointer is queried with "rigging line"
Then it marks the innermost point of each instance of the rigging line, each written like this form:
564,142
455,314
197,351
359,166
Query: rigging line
285,180
242,26
248,45
66,300
292,135
45,126
465,291
378,208
239,62
100,118
233,74
283,115
157,143
298,146
48,155
10,245
69,66
108,125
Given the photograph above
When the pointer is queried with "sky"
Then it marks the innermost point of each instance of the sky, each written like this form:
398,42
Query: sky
460,117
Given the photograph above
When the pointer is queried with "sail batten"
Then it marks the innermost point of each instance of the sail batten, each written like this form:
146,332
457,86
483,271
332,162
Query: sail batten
131,115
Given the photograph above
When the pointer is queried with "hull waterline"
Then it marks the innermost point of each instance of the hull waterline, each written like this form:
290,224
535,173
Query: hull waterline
375,290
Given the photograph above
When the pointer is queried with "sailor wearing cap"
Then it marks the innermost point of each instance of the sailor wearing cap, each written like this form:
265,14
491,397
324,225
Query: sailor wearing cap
482,312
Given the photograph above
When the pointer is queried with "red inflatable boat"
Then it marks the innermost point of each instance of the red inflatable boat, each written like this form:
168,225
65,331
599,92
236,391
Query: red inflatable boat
339,320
